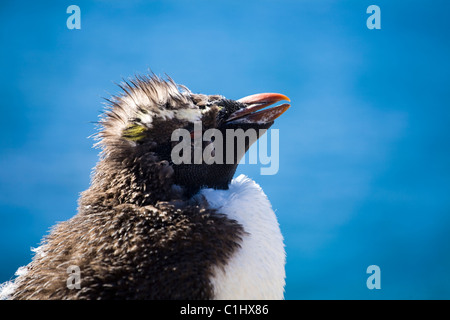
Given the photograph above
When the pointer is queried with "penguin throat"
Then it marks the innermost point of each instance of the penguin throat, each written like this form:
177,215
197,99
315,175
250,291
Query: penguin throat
193,178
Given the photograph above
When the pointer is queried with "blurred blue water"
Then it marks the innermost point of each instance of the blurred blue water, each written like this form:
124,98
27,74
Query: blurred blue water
364,151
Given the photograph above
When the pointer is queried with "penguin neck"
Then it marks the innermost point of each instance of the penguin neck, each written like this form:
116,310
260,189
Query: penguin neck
214,176
130,181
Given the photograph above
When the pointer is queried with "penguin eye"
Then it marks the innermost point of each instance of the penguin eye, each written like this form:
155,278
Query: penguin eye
214,103
195,134
199,135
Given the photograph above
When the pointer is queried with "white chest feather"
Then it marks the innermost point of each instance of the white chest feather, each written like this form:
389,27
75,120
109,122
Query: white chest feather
256,269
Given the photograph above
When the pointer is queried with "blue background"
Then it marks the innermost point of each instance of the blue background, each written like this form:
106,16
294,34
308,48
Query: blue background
364,150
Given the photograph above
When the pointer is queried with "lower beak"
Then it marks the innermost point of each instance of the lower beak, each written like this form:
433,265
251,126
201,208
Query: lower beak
256,102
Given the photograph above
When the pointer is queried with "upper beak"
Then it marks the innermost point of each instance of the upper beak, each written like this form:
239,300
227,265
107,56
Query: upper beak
257,102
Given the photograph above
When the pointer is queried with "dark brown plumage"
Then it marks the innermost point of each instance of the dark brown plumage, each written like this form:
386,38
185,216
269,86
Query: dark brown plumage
129,252
136,235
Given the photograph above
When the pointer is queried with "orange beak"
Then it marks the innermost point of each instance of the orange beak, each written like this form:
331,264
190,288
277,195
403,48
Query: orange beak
256,102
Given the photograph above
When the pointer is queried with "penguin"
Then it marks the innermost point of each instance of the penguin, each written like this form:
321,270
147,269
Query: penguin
151,228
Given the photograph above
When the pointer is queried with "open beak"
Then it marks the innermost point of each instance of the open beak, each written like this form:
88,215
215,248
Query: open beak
256,102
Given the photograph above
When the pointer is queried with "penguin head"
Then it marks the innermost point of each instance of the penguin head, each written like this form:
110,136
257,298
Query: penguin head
139,125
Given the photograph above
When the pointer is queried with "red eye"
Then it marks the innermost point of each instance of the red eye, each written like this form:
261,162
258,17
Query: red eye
195,134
